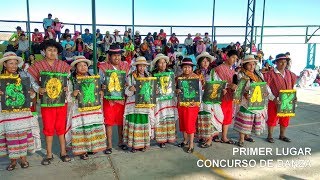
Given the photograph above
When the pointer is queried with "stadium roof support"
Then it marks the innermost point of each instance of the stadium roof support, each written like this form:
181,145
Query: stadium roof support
250,25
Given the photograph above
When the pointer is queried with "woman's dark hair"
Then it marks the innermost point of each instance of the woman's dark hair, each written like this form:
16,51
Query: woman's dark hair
74,73
199,65
156,68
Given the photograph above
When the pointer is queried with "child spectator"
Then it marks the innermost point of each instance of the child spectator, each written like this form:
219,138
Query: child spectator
126,38
57,26
158,42
174,40
65,34
149,38
79,47
37,39
50,33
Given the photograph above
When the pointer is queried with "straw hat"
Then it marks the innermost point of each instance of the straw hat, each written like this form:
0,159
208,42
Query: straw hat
78,59
68,46
249,58
56,20
90,47
158,57
116,30
140,60
10,55
207,55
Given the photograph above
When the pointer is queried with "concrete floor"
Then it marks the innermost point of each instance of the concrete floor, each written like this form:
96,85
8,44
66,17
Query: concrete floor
173,163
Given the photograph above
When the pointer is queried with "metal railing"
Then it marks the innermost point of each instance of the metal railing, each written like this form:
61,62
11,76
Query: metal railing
295,34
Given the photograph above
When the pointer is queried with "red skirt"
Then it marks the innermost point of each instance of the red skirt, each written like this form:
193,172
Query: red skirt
188,118
113,115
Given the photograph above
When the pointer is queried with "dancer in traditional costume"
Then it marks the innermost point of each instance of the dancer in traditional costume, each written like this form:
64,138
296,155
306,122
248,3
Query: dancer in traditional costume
85,129
210,117
137,121
225,72
53,118
19,131
278,79
113,110
166,113
188,114
250,121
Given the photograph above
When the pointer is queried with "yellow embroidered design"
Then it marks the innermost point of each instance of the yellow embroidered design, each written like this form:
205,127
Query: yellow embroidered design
53,88
114,84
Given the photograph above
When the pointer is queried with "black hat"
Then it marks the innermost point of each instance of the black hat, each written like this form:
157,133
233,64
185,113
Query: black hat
187,61
114,49
281,56
287,53
51,43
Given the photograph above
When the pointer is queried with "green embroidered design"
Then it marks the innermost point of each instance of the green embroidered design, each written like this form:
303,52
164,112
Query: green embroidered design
286,99
14,95
88,92
186,91
146,91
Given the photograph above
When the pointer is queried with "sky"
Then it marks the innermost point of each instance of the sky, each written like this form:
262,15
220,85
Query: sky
180,12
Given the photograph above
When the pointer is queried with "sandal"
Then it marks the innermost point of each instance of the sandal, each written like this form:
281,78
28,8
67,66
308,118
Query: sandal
227,142
285,139
123,147
11,167
240,144
108,151
216,139
162,145
190,150
182,145
24,164
270,140
47,161
133,150
84,156
205,145
250,139
65,158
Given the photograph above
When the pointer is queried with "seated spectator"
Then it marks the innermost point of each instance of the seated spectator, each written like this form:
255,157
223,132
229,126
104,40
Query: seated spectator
64,45
174,40
126,37
149,38
201,47
158,51
79,46
207,41
130,33
23,47
50,33
116,38
65,34
14,39
99,40
155,35
28,62
128,54
137,39
37,39
76,35
57,26
158,42
188,42
214,47
163,37
87,37
68,56
197,38
169,50
145,50
107,40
